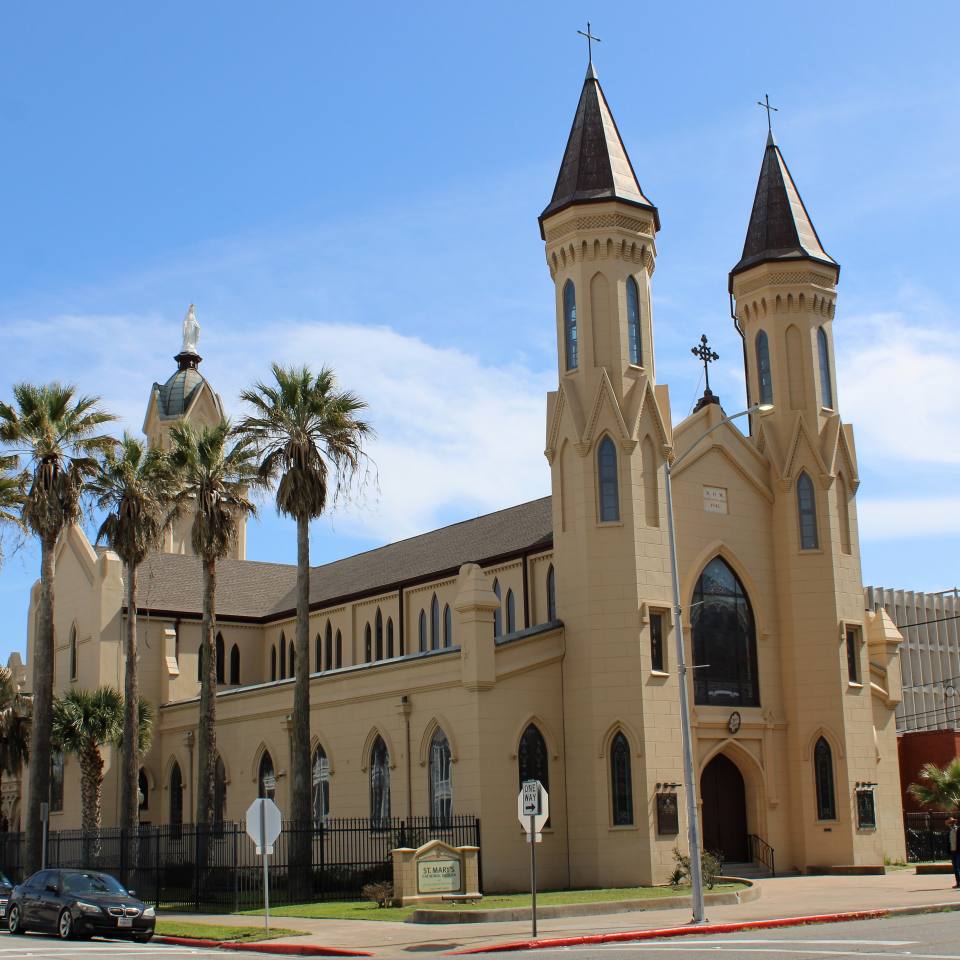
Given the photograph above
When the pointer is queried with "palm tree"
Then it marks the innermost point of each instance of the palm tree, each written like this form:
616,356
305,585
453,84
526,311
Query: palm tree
12,488
58,434
83,722
136,487
214,480
14,725
939,787
310,439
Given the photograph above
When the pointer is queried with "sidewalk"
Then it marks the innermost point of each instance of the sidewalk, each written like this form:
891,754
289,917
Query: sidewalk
780,897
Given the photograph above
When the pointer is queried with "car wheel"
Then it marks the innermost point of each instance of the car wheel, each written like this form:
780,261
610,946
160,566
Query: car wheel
65,925
142,937
15,921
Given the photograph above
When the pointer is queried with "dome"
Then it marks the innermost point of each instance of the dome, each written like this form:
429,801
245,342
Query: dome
175,396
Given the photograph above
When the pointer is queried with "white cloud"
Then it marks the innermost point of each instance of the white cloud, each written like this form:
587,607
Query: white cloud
900,518
898,386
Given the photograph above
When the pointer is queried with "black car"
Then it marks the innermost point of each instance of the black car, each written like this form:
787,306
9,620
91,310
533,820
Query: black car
79,903
6,887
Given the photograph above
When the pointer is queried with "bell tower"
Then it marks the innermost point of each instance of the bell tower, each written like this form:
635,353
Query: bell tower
608,430
784,288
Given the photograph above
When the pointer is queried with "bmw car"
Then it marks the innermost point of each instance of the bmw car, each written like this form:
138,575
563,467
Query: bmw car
79,904
6,887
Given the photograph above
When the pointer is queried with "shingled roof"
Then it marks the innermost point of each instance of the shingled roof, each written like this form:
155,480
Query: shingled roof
249,590
595,163
780,227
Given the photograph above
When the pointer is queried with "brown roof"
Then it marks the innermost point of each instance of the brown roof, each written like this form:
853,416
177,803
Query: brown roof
595,163
780,227
262,591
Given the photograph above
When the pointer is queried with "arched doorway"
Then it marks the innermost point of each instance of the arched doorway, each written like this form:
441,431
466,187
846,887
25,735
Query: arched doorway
724,806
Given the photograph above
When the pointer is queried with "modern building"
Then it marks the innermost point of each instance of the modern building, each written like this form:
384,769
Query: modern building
538,641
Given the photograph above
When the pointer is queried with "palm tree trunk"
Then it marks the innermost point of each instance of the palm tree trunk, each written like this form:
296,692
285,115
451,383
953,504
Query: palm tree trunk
129,763
207,752
301,780
91,796
39,779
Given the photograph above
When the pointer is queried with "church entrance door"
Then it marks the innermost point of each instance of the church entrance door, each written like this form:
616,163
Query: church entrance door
724,810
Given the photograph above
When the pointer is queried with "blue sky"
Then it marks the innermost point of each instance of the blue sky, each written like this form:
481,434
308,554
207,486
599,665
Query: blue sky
359,186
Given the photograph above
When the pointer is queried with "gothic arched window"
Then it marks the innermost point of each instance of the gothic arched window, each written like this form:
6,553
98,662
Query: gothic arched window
570,324
283,657
266,778
176,795
497,614
724,639
200,662
321,785
379,784
423,631
532,758
328,647
633,322
511,612
73,652
551,594
220,658
273,662
143,788
318,652
607,473
764,372
434,623
367,645
219,793
292,655
235,665
447,626
56,781
378,635
823,775
441,780
826,382
621,781
807,513
389,638
339,650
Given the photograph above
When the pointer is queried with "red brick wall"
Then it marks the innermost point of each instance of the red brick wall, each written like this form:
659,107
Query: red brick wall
916,749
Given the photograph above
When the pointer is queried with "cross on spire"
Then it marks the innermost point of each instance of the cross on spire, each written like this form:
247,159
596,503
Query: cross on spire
706,355
765,103
590,38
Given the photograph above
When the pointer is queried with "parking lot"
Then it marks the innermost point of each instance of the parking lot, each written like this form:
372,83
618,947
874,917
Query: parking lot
34,947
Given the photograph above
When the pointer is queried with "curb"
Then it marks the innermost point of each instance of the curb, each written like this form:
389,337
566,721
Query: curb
709,928
287,949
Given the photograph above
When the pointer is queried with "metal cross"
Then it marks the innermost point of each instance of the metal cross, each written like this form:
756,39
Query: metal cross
590,38
765,103
706,355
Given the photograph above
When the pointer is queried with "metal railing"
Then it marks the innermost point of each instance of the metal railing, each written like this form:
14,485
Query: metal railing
761,852
215,868
927,836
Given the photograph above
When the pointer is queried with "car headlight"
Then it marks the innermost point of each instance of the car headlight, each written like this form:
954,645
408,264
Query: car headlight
87,907
149,912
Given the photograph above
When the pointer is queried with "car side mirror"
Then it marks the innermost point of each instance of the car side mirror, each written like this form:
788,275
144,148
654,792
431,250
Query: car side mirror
52,888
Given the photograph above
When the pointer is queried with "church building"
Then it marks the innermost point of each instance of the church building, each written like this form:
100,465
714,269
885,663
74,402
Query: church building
538,641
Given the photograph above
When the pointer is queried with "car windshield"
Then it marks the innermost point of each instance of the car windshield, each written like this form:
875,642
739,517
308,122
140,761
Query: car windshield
92,883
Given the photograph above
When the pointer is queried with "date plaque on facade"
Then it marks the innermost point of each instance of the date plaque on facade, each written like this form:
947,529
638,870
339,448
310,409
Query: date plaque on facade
715,499
668,816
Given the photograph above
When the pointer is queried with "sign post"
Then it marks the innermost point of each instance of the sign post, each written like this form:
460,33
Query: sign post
533,808
263,827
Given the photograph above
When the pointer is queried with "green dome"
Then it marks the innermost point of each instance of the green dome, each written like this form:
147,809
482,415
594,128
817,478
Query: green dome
176,395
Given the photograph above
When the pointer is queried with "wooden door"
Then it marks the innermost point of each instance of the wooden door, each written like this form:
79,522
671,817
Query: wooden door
724,810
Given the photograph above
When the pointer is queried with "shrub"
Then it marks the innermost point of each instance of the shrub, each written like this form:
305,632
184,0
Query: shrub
711,867
382,893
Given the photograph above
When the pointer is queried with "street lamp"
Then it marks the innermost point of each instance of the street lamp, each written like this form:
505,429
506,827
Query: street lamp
689,774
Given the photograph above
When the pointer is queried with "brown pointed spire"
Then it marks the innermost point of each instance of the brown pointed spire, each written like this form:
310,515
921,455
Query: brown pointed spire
595,165
780,227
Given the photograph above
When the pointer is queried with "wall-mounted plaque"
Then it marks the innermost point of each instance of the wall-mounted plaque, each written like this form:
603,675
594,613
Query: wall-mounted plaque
866,809
668,816
715,499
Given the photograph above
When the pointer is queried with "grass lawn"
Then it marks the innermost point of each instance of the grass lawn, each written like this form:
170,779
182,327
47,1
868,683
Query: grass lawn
211,931
366,910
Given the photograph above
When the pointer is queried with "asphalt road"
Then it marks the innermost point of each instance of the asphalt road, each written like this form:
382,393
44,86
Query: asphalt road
36,947
933,936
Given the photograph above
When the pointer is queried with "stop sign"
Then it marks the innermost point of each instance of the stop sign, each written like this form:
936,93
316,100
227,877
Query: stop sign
263,823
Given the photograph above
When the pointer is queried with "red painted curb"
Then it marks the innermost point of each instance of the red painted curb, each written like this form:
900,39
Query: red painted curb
286,949
685,931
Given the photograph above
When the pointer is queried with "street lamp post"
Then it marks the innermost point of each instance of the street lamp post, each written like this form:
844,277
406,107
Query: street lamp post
689,773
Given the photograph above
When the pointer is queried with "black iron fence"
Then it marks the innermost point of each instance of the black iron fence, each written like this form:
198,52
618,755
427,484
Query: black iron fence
928,837
216,868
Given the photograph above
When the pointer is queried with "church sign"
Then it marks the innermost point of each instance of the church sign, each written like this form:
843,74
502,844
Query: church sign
435,872
438,876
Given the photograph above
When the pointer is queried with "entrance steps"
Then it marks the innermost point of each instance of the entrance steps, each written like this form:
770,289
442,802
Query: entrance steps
748,871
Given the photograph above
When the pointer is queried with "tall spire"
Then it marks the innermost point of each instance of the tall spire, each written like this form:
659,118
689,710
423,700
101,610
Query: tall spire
780,227
595,165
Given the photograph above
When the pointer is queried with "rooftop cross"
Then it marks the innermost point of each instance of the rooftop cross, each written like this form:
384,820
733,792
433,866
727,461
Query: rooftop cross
703,353
590,38
765,103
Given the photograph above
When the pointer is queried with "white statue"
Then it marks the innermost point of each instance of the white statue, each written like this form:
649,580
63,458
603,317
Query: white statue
191,332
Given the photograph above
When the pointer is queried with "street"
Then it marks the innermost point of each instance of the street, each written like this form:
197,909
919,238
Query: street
931,936
36,947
